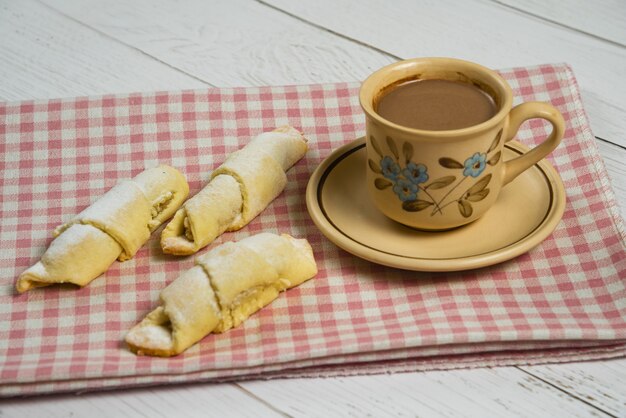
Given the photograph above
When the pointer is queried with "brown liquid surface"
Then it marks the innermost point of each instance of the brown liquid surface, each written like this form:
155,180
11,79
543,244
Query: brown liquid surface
436,105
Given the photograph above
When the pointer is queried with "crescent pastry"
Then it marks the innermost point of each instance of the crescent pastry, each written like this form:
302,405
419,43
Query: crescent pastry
114,227
238,191
226,286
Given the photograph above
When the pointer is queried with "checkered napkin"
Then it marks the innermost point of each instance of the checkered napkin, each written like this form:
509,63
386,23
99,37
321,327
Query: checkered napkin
564,300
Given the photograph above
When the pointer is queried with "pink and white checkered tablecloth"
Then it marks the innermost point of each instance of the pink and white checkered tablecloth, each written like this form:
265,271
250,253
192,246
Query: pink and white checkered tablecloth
565,300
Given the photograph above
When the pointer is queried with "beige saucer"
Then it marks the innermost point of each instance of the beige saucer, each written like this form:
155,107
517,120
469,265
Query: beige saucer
526,212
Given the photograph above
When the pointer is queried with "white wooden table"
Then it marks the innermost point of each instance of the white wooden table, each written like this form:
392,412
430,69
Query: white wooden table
67,48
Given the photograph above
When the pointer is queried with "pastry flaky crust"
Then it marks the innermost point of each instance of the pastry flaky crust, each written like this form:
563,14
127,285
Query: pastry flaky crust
114,227
225,287
238,191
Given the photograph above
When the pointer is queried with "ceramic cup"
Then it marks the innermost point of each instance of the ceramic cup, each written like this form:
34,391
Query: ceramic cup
437,180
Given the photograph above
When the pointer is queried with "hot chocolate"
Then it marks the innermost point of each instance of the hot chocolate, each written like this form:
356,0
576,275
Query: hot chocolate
436,105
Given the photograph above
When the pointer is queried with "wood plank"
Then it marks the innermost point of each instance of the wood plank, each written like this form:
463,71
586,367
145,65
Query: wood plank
601,384
481,31
498,392
201,400
580,15
291,66
237,43
45,54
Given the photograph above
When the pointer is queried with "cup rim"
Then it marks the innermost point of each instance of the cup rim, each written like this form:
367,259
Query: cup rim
366,101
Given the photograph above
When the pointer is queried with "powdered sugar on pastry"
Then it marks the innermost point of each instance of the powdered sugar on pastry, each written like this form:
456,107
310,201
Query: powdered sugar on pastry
227,285
113,227
237,192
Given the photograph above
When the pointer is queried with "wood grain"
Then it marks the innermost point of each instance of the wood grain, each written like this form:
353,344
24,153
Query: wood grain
495,392
235,43
46,55
580,15
485,32
582,380
200,400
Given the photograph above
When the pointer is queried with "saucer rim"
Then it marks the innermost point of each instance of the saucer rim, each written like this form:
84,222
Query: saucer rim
549,222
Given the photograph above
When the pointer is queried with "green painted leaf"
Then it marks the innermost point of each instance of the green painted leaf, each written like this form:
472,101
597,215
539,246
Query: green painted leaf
392,147
382,184
441,182
465,208
494,160
495,142
480,185
477,197
374,167
375,146
416,205
450,163
407,151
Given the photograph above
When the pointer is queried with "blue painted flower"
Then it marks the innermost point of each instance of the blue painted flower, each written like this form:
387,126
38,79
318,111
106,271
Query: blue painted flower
415,173
405,189
390,168
475,165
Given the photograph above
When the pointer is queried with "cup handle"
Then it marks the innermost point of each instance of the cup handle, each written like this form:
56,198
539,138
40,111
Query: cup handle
518,115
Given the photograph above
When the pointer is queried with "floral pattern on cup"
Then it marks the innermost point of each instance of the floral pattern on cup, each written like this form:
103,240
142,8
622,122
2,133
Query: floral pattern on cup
390,169
409,179
475,165
406,190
